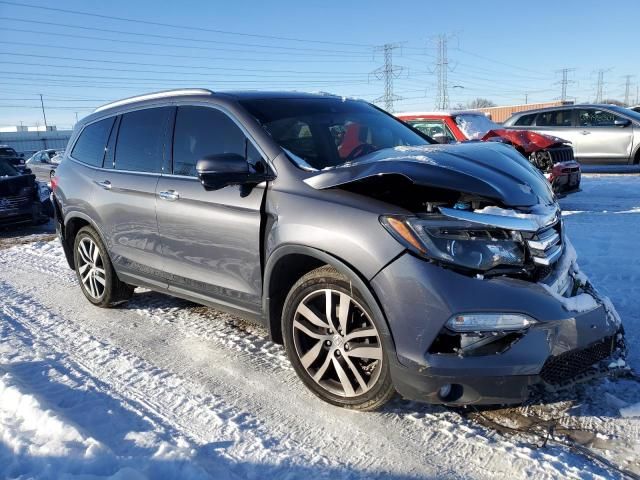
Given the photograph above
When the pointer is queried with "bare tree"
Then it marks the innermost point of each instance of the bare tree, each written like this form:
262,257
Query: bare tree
480,103
613,101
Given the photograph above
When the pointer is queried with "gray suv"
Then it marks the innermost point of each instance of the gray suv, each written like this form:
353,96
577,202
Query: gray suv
598,133
383,262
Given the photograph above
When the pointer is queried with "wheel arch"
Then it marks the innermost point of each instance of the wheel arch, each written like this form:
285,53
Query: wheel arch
284,268
73,222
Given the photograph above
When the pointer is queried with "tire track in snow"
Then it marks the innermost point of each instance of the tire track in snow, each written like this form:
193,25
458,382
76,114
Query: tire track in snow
158,395
412,434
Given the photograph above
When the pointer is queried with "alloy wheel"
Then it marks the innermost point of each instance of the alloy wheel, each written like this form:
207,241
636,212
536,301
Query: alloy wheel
337,343
91,268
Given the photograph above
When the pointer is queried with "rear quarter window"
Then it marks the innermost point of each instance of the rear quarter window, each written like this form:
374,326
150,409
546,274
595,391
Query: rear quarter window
555,118
525,120
92,142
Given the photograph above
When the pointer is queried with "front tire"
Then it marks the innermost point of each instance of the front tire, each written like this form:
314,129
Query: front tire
334,342
98,280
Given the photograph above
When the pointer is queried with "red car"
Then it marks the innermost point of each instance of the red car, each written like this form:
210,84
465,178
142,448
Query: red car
551,155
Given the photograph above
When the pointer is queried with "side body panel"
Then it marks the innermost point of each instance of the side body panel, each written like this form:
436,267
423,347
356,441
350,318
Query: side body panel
211,241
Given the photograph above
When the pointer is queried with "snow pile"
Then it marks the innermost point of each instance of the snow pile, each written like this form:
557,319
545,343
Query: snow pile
36,440
542,215
567,269
589,299
630,411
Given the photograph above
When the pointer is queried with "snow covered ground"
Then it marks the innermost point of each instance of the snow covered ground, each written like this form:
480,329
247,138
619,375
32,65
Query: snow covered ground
163,388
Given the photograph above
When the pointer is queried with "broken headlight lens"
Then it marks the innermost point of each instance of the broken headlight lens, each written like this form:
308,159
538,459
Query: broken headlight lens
465,244
482,322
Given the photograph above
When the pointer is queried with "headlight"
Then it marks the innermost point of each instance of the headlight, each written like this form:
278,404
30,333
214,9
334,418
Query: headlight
479,322
461,243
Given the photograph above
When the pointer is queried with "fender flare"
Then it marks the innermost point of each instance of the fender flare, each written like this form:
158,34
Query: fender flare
352,274
67,218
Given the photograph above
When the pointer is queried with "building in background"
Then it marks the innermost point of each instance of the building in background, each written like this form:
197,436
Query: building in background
500,114
31,139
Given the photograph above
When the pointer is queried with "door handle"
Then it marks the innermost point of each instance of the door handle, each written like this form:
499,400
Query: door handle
585,132
169,195
106,184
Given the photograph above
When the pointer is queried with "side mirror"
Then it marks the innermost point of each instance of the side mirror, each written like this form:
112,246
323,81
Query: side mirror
221,170
442,138
621,122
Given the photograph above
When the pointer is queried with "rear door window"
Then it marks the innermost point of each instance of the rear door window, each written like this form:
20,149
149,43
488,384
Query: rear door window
202,131
91,144
555,118
142,139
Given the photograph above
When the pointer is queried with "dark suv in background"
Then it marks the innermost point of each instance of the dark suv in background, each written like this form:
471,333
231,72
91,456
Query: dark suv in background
386,263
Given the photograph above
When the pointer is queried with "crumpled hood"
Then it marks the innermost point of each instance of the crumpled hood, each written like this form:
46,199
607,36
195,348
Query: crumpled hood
526,139
491,170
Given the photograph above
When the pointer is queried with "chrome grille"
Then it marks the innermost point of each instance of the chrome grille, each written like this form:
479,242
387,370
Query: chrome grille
546,246
561,154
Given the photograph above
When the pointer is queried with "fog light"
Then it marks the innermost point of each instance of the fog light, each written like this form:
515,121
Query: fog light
444,391
487,322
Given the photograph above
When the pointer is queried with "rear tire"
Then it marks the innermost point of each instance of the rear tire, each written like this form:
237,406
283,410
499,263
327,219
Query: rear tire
334,342
98,280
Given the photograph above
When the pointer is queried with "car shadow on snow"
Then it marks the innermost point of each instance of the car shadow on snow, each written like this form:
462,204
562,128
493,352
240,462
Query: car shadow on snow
11,235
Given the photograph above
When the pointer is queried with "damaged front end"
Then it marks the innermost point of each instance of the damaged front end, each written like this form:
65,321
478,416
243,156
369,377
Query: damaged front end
493,299
551,155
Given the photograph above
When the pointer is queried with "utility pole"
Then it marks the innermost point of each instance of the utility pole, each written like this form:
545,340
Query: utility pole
526,98
76,117
388,72
442,67
627,90
43,114
564,82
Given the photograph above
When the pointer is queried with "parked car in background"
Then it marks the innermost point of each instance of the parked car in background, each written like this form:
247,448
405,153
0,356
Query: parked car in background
551,155
383,261
43,164
22,199
598,133
14,158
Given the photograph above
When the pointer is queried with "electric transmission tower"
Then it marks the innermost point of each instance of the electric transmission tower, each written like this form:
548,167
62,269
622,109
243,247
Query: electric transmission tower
565,82
600,86
442,68
388,72
627,89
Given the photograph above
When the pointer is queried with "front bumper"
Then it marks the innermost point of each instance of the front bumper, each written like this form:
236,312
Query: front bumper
28,212
418,297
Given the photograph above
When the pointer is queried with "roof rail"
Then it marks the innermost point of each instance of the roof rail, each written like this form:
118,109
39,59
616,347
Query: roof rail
154,95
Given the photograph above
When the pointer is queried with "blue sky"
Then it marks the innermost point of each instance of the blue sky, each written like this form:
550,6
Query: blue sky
497,49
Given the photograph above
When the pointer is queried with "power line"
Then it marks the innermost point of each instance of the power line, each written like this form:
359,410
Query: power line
329,58
388,72
256,79
186,39
189,67
498,62
184,27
